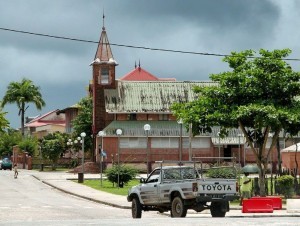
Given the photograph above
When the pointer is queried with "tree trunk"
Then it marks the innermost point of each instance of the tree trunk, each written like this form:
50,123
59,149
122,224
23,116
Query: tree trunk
262,179
296,185
278,158
22,122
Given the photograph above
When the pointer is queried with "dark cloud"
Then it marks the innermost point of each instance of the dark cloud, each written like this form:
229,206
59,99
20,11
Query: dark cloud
61,67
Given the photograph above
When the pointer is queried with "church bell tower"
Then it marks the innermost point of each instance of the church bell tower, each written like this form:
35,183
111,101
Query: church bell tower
103,78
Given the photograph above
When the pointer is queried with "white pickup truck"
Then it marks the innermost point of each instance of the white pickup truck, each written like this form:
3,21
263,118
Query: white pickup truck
182,187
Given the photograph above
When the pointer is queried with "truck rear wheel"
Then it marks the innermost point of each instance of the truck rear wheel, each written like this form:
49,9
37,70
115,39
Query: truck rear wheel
136,208
218,209
178,209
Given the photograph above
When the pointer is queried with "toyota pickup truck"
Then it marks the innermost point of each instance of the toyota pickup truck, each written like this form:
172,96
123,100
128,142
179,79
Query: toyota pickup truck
180,187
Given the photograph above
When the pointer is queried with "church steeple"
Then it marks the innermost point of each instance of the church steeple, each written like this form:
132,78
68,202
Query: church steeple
103,78
103,53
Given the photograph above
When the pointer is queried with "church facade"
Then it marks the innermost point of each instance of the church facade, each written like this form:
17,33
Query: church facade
137,106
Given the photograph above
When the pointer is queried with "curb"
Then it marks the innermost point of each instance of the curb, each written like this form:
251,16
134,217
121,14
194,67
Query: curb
81,196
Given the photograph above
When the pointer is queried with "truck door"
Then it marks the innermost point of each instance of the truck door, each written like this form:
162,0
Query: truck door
149,190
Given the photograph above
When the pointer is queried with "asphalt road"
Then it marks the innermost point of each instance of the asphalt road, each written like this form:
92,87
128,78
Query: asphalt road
27,201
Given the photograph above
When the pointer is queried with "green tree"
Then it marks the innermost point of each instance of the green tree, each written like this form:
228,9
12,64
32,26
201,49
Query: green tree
9,139
52,146
259,95
29,145
4,124
83,121
22,93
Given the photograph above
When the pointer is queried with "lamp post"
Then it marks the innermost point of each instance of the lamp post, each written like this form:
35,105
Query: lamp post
119,133
70,143
219,148
83,135
180,122
147,128
239,135
101,134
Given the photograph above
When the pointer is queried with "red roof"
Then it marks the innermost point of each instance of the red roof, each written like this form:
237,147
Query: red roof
139,74
46,119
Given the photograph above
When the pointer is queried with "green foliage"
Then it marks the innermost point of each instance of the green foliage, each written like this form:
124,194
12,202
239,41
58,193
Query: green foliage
4,124
53,145
29,144
285,185
9,139
83,121
259,95
227,173
126,173
22,93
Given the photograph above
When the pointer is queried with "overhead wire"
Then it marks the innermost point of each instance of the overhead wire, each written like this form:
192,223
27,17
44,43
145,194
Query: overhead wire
130,46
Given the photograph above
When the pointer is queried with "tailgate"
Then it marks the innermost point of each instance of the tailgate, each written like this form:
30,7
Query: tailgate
220,186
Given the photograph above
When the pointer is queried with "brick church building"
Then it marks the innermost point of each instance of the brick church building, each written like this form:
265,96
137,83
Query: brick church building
137,105
138,99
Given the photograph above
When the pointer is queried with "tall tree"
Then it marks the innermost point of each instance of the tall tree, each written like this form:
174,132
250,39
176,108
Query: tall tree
8,139
83,122
22,93
259,95
53,145
3,121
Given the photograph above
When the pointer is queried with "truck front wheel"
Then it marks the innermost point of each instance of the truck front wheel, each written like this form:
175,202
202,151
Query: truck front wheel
178,209
136,208
219,209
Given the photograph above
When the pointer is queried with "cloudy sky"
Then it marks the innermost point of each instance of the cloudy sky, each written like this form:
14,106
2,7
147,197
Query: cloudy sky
61,67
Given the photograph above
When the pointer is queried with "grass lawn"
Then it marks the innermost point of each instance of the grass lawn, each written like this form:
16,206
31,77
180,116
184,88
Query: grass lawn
107,186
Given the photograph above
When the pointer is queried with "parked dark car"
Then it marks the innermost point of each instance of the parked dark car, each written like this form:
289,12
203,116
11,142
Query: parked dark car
6,164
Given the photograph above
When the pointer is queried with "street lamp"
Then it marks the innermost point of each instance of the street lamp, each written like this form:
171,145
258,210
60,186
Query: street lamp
83,135
119,133
180,122
147,128
101,134
70,143
219,148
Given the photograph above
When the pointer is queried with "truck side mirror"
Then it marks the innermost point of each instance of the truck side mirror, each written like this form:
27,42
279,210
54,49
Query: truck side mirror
142,180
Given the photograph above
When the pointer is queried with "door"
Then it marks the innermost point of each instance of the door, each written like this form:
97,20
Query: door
149,190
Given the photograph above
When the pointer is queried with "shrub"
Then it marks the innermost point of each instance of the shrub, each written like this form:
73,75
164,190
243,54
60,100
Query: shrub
285,185
126,173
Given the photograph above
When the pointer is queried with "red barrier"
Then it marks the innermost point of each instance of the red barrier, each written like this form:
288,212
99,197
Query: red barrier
261,205
277,201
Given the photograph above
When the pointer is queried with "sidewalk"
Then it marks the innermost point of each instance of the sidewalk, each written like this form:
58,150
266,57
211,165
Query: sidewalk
63,182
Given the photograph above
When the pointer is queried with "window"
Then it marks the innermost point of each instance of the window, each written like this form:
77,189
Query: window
163,117
154,176
201,142
132,117
104,76
164,142
133,142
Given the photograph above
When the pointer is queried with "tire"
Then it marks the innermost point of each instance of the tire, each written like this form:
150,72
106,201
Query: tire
217,209
136,208
178,209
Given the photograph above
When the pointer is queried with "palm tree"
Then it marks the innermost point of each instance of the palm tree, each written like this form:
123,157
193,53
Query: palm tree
22,93
3,121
